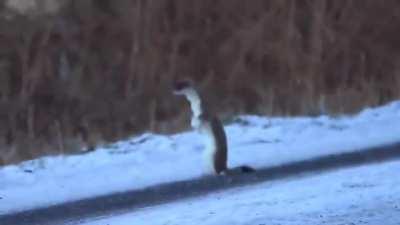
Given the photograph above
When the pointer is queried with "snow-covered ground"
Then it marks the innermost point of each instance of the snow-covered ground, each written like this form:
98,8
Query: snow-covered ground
362,195
152,159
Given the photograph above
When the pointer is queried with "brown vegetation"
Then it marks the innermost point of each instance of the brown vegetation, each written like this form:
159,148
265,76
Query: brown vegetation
88,71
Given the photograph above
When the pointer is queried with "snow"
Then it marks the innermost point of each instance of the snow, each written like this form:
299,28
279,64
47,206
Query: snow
151,159
363,195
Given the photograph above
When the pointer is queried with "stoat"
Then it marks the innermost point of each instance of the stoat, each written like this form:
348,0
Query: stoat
216,148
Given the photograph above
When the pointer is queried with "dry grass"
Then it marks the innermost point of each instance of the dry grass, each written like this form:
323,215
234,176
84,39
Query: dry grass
100,70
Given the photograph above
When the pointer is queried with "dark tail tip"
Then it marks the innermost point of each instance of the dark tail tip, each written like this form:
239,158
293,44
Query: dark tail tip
247,169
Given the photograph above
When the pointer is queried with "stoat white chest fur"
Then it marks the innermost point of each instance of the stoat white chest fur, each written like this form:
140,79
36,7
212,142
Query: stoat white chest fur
203,127
196,105
210,149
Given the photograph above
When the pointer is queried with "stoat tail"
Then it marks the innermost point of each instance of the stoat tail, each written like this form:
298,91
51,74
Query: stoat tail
238,170
246,169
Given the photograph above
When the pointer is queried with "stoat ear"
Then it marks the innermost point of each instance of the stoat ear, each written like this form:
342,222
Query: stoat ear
181,85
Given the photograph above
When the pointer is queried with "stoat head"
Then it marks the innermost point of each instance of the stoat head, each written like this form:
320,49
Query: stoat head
183,87
186,88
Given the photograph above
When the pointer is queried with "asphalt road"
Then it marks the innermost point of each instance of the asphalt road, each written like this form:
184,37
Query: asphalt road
78,211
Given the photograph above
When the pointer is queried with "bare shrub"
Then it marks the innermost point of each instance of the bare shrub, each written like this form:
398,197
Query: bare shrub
81,72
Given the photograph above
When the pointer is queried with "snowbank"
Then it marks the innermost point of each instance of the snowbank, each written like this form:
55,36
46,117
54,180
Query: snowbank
151,159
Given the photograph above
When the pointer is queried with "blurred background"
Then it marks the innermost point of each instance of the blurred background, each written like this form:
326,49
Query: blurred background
78,73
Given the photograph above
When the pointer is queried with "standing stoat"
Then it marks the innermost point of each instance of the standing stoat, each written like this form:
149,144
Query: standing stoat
216,148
